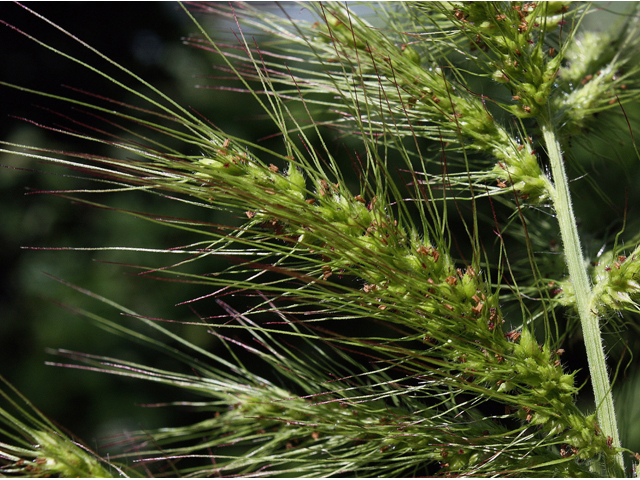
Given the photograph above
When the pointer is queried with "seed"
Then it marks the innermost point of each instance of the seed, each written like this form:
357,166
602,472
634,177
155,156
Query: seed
478,308
324,187
326,269
513,336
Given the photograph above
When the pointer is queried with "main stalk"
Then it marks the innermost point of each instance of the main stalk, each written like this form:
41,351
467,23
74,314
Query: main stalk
589,320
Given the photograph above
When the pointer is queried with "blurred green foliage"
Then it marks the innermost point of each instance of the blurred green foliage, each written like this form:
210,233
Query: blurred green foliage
145,37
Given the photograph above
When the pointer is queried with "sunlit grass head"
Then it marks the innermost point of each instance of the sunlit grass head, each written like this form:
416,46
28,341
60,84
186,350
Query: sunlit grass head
382,308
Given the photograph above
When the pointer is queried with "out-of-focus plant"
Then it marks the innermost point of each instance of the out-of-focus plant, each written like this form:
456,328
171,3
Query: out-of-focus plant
370,327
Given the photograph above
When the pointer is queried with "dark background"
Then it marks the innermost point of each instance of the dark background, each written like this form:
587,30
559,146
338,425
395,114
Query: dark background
146,38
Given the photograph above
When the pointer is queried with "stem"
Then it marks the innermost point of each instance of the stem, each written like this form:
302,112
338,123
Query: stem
582,286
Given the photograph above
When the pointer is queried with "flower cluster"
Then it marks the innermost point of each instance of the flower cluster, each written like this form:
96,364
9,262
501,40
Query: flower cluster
40,449
616,283
516,37
414,283
600,73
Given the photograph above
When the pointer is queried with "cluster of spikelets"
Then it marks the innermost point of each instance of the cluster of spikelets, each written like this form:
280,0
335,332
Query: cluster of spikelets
616,280
416,284
37,448
439,354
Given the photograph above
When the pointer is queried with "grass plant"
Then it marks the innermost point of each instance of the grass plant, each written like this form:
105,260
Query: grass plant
397,305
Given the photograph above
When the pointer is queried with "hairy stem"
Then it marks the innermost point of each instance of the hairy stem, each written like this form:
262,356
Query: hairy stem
583,293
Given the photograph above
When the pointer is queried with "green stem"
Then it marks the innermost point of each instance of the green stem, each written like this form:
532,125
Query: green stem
582,286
